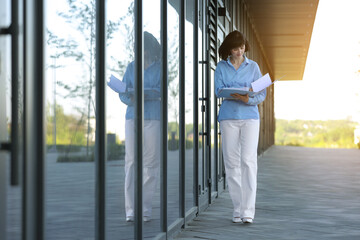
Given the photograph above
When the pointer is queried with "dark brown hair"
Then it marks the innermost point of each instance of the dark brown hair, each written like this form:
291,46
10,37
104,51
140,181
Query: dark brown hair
232,40
152,46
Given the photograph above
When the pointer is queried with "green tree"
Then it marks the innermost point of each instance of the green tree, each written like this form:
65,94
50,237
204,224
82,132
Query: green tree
72,127
326,134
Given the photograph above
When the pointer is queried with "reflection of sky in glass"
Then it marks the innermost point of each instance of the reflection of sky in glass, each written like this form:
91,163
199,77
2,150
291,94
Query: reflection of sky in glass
76,72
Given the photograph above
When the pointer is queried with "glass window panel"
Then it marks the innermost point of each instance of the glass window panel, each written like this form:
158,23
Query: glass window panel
201,94
10,196
173,114
121,205
120,121
70,119
189,105
152,103
213,134
5,14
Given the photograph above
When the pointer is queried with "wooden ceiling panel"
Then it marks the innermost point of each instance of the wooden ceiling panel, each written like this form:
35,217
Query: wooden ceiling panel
284,28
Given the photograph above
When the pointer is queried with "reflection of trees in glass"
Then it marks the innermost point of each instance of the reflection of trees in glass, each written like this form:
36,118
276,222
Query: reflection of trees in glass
127,29
8,123
173,129
173,87
8,94
61,47
73,130
81,16
173,72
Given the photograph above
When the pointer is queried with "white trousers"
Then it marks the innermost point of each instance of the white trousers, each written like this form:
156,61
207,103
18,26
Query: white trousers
151,162
239,142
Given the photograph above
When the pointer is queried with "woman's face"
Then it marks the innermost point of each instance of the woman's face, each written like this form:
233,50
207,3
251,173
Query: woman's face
238,52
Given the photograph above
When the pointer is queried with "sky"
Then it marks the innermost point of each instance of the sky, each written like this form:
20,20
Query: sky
330,88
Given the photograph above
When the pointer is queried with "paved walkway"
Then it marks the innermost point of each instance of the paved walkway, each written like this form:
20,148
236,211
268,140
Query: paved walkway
70,201
303,193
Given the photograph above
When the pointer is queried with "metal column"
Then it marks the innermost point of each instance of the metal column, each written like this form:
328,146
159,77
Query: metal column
196,106
164,119
35,121
182,110
139,117
100,140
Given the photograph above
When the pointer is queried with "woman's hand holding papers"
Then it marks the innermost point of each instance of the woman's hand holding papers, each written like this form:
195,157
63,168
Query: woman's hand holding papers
243,98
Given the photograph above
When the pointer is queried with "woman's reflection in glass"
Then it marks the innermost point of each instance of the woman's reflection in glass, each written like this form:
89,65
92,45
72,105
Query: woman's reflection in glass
151,131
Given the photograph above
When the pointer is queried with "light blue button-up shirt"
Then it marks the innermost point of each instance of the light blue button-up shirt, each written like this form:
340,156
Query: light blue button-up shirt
226,76
151,80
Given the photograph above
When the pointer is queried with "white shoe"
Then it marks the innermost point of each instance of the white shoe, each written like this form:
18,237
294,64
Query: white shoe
146,218
130,219
236,219
247,220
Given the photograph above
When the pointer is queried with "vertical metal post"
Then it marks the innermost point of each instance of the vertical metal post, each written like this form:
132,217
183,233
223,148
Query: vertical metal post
164,118
35,120
100,139
14,93
215,108
182,109
196,104
24,174
203,96
208,101
139,118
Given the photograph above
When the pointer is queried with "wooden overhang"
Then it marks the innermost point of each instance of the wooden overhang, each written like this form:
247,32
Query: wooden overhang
284,29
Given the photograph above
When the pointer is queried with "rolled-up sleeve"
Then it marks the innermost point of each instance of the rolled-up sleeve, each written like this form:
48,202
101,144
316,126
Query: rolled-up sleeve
258,98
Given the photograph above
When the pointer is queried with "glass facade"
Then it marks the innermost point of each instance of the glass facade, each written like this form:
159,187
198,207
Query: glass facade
70,113
173,81
189,106
123,145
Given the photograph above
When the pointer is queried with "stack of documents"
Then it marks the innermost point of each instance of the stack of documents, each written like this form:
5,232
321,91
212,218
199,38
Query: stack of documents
257,87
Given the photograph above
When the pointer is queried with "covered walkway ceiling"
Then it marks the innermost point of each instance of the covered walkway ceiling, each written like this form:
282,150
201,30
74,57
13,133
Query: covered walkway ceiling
284,28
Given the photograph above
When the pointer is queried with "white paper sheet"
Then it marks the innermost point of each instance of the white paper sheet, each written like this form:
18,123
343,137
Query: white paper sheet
261,83
116,85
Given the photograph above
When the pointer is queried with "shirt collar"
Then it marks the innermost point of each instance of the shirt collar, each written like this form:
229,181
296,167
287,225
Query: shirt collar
246,60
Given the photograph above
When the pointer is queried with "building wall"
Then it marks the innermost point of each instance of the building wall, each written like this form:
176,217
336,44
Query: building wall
184,190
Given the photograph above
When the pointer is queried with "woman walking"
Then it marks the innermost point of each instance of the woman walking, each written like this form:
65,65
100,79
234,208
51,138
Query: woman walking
239,124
